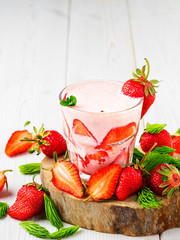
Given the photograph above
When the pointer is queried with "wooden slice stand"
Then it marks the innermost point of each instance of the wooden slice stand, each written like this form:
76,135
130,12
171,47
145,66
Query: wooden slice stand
123,217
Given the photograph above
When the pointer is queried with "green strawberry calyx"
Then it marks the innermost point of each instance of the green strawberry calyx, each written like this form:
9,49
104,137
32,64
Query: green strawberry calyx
176,134
171,179
37,139
155,128
141,77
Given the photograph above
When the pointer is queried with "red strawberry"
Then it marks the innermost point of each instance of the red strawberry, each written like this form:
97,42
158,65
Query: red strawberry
117,135
139,87
130,182
48,142
15,145
164,179
155,133
81,129
176,141
29,202
102,183
66,178
3,179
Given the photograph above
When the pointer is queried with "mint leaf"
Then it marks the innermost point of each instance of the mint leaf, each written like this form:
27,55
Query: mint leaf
51,212
64,232
3,209
35,229
70,101
30,168
154,128
147,199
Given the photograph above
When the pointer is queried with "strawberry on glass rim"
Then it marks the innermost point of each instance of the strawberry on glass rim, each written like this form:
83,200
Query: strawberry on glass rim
140,86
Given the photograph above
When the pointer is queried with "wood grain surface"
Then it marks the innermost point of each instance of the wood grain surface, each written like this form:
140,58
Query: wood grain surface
122,217
47,44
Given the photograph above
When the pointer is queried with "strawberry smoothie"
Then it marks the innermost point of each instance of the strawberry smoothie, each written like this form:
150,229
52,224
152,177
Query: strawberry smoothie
101,128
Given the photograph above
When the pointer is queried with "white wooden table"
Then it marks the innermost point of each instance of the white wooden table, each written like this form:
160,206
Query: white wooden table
48,44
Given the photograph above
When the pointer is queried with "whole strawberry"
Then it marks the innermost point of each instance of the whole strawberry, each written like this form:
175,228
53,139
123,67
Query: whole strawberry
3,179
155,133
140,87
29,202
164,179
48,142
130,182
176,141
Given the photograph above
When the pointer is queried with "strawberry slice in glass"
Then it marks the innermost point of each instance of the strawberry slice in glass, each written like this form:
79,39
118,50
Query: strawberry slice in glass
117,136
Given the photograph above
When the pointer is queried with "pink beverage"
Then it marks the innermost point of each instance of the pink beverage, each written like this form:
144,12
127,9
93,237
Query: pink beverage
101,128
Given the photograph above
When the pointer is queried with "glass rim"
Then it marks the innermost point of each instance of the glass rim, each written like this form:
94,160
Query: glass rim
97,113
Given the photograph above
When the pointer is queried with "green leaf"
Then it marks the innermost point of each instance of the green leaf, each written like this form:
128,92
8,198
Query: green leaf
66,155
156,158
155,128
154,81
55,156
177,133
3,209
70,101
164,149
30,168
51,212
35,229
64,232
135,75
138,71
27,123
35,129
147,199
151,90
137,155
41,130
46,134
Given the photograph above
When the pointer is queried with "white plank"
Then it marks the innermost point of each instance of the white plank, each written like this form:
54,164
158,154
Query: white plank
99,41
155,30
100,44
171,234
32,73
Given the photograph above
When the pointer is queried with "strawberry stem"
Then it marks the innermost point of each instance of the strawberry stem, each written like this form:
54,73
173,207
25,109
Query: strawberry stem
87,199
9,170
148,69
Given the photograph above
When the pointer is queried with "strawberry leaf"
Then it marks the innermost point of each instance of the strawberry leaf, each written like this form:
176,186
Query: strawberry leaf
35,229
3,209
155,128
27,123
164,149
147,199
177,133
64,232
51,213
30,168
138,71
154,81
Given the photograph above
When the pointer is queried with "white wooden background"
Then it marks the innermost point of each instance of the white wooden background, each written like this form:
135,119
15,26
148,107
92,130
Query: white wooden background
48,44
